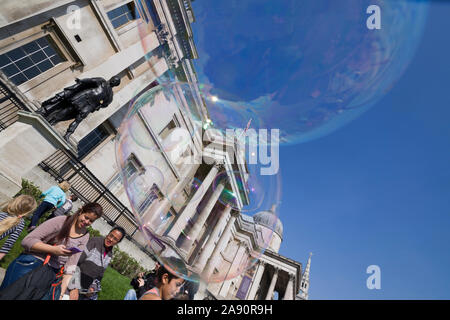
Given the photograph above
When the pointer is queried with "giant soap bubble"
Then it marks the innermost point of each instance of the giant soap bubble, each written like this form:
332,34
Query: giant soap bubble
186,202
306,67
303,67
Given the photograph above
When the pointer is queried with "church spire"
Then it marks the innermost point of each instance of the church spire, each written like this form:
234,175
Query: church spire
274,208
304,285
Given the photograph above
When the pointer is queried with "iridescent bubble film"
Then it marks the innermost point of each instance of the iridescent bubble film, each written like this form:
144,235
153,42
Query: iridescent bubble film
304,67
188,201
298,71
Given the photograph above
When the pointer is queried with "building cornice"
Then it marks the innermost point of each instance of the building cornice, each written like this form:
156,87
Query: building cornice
271,254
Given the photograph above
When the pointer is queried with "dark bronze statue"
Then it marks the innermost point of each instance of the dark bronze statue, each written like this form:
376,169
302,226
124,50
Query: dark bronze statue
78,101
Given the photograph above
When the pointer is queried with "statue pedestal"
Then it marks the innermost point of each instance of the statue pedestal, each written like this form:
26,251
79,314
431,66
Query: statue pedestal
47,131
23,146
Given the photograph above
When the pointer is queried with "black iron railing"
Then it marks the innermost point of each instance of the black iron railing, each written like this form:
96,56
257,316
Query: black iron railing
9,105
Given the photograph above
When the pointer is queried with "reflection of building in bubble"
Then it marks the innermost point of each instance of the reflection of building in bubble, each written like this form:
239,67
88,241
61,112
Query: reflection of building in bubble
179,205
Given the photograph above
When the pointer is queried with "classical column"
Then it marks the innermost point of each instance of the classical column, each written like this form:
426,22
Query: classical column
289,294
212,262
256,280
242,246
209,246
189,210
272,285
165,204
201,219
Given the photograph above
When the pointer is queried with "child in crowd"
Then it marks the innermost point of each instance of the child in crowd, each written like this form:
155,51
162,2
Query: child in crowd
168,281
65,208
12,220
55,197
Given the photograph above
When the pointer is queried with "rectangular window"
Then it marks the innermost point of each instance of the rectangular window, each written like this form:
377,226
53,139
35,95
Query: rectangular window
30,60
153,194
132,167
142,10
123,15
165,221
92,140
115,185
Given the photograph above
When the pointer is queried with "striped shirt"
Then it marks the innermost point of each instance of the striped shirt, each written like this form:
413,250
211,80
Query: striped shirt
13,233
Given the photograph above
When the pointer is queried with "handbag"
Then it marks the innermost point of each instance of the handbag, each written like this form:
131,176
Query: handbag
20,267
41,282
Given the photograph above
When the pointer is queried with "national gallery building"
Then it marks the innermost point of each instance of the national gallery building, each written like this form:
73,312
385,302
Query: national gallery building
44,46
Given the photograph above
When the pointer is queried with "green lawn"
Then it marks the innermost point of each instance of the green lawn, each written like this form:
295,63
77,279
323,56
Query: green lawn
114,285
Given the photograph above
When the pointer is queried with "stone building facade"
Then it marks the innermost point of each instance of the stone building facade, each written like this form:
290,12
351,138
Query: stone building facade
44,46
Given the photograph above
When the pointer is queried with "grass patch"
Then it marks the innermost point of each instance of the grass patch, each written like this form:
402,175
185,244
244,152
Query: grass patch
114,285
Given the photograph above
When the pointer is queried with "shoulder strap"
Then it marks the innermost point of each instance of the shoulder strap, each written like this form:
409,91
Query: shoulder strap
154,291
47,258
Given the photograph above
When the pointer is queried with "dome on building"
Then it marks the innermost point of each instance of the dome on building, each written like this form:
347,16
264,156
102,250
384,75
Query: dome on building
269,219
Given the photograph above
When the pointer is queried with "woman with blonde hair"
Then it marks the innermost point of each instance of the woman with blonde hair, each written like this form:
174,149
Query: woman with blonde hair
55,197
12,220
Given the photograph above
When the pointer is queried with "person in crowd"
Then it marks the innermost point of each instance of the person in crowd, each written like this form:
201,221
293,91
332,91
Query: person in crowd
55,197
12,220
60,241
142,283
169,280
92,265
65,208
190,287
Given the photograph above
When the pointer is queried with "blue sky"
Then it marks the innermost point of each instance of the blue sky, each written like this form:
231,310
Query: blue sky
377,191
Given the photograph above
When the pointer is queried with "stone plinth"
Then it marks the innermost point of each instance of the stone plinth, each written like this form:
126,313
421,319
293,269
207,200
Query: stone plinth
24,145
